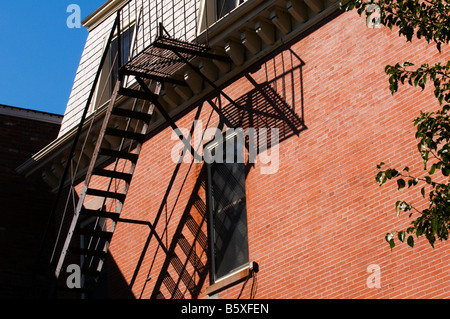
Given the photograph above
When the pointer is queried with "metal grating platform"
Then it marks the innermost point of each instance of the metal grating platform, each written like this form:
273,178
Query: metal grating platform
160,62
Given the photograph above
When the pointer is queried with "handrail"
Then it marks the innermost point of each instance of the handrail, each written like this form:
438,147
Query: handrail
70,158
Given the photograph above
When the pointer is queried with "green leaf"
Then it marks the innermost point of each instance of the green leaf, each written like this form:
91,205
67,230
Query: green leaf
401,183
379,178
389,237
423,192
422,85
401,236
392,173
434,224
391,244
445,171
433,169
410,241
388,174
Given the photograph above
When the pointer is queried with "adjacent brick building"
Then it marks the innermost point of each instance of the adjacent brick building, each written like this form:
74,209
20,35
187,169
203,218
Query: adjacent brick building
315,223
25,204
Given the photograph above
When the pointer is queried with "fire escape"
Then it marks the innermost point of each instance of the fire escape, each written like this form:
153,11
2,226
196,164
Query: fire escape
151,69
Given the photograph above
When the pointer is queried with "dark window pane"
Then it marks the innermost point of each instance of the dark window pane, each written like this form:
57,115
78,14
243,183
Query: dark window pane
229,217
225,6
125,50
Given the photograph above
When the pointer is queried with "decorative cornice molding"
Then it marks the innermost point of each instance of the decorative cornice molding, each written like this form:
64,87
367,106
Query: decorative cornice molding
101,14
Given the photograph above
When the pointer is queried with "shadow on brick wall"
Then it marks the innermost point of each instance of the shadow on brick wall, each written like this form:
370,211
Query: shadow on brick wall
185,268
274,103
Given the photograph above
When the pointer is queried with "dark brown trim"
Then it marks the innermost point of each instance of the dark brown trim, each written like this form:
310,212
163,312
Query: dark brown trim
229,281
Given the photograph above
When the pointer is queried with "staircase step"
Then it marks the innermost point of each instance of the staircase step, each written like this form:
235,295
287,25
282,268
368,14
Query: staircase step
120,154
106,194
75,226
95,233
135,93
90,272
131,93
132,114
100,213
88,252
125,134
113,174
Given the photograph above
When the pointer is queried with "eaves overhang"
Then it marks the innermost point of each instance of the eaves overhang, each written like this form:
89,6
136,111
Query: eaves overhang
30,114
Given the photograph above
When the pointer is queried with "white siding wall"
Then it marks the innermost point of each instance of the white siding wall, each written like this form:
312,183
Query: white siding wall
84,78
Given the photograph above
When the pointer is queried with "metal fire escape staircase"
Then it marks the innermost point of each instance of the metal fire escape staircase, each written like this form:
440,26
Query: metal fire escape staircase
99,237
151,68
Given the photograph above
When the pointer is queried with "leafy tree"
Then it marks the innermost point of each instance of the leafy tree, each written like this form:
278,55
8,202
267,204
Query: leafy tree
429,20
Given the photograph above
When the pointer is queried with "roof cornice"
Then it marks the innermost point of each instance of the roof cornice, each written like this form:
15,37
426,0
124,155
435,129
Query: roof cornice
30,114
101,14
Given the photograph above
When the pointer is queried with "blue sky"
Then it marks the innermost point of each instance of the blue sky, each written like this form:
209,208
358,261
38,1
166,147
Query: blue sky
39,53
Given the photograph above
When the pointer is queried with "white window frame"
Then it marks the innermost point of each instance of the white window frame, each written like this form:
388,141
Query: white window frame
208,13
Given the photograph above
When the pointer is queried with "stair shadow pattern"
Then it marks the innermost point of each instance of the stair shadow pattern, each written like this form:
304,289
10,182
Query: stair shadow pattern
266,107
190,268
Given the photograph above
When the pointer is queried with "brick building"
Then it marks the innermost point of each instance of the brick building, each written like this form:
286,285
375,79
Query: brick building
25,203
299,216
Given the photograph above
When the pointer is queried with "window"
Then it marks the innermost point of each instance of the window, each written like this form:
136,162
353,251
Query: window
227,207
125,50
225,6
110,69
213,10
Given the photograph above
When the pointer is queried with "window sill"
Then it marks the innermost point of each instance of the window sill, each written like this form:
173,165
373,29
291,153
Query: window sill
229,281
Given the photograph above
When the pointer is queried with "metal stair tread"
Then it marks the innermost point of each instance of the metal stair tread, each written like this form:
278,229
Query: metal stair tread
95,233
88,252
100,213
125,134
119,154
90,272
101,193
113,174
132,114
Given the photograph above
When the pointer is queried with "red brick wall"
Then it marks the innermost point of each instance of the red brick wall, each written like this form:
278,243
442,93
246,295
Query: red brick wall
316,225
